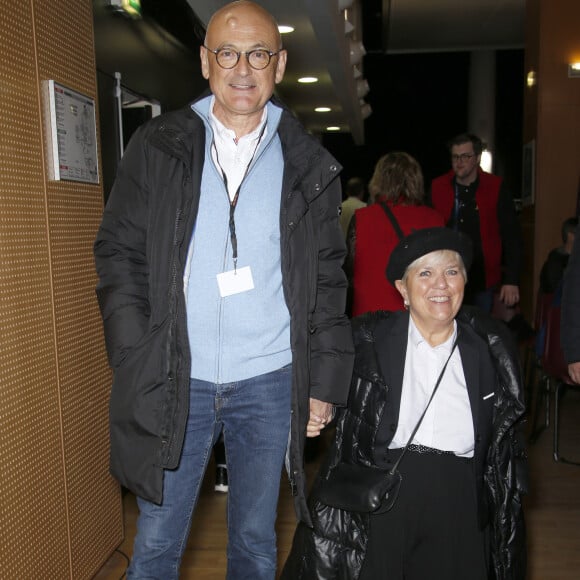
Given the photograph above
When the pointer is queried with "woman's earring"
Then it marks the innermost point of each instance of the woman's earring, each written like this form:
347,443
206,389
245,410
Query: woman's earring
406,304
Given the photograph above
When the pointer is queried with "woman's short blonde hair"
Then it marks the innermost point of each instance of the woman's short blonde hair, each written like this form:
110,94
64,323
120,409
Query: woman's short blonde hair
399,178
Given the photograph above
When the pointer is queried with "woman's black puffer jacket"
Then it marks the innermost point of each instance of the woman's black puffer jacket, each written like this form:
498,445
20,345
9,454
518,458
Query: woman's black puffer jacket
334,548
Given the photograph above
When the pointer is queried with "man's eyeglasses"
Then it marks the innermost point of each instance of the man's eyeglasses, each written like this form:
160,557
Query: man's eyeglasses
463,157
258,59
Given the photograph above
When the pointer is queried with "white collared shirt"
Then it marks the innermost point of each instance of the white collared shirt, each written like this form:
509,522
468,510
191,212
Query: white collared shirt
448,424
232,157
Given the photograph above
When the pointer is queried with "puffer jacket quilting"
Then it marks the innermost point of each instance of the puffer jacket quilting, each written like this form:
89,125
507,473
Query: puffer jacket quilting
140,254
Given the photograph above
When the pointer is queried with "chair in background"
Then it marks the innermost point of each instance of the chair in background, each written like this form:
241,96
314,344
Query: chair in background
555,372
534,347
525,336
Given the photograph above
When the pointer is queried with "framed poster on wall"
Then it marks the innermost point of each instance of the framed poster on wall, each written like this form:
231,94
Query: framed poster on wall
528,173
71,133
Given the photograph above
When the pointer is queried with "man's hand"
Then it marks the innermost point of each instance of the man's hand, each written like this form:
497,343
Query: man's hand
573,371
321,414
509,294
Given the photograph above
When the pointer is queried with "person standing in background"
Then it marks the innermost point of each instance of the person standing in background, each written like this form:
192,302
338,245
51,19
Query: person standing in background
478,204
570,324
397,193
553,269
355,192
222,293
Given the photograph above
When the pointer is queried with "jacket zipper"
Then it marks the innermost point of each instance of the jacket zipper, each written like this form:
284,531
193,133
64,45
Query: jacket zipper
171,355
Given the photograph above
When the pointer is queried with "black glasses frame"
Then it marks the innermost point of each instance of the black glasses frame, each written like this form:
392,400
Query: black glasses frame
462,157
246,53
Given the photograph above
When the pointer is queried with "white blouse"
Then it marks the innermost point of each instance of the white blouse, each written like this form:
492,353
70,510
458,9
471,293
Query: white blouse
448,424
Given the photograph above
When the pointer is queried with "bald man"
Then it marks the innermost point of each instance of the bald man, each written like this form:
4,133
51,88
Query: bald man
222,295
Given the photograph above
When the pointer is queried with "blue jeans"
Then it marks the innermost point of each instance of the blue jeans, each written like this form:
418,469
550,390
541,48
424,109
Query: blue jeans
255,416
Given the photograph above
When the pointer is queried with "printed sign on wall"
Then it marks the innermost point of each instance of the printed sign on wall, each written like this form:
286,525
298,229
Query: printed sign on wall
72,134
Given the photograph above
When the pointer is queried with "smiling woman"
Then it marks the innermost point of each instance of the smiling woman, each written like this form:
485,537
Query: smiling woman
433,428
432,289
429,269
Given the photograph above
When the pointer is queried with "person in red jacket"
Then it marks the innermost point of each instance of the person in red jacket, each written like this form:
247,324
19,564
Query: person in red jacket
397,193
478,204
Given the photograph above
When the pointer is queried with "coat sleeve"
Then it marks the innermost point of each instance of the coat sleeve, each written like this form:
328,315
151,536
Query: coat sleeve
506,474
120,255
334,545
349,262
507,480
331,338
570,330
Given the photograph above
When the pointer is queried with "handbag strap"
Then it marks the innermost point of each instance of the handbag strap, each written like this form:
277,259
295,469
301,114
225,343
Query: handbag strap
394,468
392,219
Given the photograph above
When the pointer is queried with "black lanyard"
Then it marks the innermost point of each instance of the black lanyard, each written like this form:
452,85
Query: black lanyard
234,200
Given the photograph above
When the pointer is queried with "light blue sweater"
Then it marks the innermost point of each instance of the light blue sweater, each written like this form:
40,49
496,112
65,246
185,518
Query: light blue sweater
247,334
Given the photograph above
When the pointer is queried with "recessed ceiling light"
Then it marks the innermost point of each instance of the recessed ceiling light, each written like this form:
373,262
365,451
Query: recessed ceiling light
333,128
323,109
283,29
308,80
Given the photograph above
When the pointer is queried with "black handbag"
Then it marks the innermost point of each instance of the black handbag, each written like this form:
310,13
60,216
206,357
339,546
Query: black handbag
359,488
356,488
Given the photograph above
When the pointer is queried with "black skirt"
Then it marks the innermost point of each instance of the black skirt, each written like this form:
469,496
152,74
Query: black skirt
432,531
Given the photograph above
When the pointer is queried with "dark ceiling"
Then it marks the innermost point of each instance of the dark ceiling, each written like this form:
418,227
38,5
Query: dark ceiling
157,55
416,65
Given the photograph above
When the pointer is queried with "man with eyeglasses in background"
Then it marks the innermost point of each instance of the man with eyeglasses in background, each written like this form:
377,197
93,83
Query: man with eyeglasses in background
223,298
477,203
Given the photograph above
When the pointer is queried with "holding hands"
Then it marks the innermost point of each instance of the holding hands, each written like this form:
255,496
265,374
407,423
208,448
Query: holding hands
321,413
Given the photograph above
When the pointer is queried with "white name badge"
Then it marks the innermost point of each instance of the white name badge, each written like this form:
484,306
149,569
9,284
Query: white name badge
235,281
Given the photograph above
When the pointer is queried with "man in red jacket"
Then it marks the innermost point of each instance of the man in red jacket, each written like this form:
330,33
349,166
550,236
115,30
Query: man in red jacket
478,204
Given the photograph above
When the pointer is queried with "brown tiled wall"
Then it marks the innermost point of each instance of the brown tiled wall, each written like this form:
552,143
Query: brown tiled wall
552,120
60,510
